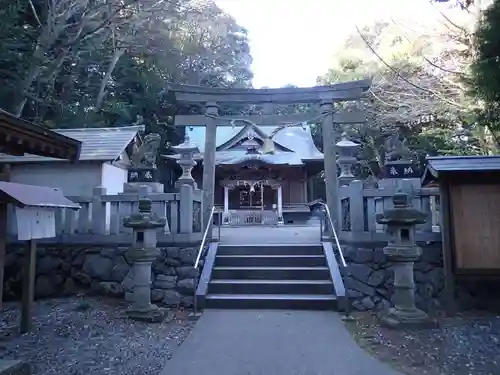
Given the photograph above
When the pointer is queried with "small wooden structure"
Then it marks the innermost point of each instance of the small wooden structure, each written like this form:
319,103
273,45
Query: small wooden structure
470,216
35,206
18,137
103,161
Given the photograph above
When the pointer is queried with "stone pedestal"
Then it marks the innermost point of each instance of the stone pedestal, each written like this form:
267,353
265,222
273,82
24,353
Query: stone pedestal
143,176
133,187
403,251
142,253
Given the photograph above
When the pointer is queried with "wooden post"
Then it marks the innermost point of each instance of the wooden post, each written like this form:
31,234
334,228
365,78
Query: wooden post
446,235
211,109
29,273
4,176
330,154
3,245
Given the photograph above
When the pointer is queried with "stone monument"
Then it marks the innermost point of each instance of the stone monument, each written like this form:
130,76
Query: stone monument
142,253
403,251
143,169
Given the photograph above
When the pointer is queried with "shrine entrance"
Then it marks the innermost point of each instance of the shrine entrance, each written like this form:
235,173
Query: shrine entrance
321,101
255,197
251,202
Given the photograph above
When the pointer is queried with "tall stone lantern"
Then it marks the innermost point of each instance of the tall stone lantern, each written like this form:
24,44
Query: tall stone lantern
186,151
142,253
403,251
347,159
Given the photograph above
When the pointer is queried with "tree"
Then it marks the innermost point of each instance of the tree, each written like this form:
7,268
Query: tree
107,62
485,72
417,91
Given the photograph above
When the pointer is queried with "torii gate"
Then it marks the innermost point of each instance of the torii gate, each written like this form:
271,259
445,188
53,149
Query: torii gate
325,96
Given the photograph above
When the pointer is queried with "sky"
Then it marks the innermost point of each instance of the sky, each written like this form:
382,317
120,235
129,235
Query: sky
292,41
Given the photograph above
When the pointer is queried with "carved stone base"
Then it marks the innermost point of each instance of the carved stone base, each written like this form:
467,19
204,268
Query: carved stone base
152,314
409,318
133,187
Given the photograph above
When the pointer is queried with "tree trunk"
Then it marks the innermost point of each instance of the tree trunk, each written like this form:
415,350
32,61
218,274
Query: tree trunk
104,82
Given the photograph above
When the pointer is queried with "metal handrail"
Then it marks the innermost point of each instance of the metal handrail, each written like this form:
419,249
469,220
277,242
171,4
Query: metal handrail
200,253
334,231
204,239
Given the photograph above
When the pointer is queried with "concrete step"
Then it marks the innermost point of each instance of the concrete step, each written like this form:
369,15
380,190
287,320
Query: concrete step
271,301
271,273
296,260
235,286
270,249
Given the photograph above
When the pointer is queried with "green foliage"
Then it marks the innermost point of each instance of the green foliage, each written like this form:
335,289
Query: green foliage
485,67
82,63
420,100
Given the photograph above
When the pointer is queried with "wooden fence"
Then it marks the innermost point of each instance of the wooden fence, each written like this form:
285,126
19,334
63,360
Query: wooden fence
359,205
100,218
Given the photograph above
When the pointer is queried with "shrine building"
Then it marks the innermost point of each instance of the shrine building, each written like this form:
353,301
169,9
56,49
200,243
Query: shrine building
263,174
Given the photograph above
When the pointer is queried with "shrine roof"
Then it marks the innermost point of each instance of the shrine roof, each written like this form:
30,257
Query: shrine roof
464,163
97,144
296,139
20,137
437,165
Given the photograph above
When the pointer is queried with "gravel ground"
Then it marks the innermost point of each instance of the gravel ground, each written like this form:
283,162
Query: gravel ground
84,335
467,344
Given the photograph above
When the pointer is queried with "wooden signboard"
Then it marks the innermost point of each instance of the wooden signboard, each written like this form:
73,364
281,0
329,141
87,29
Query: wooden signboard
35,223
142,175
402,170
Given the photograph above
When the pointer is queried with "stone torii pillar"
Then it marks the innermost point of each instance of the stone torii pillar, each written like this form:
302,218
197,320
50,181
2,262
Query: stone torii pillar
211,109
330,154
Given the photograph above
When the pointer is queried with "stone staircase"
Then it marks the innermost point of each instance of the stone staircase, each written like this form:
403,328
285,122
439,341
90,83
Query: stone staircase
271,276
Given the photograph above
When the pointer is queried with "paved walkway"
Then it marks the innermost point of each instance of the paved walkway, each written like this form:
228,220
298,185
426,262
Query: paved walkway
286,234
271,342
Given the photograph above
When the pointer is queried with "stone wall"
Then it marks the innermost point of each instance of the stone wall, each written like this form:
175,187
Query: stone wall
66,270
369,278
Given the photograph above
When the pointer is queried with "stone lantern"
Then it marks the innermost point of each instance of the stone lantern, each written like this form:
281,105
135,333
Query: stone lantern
186,150
403,251
142,253
347,159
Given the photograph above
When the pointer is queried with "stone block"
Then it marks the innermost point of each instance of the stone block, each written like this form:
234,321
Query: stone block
188,255
171,298
186,286
185,272
165,282
98,267
14,367
360,272
376,278
360,287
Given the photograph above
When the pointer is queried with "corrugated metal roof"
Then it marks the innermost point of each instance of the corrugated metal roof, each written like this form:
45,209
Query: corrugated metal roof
98,144
464,163
35,196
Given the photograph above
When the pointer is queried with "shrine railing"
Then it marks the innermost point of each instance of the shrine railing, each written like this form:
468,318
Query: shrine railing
100,218
359,205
